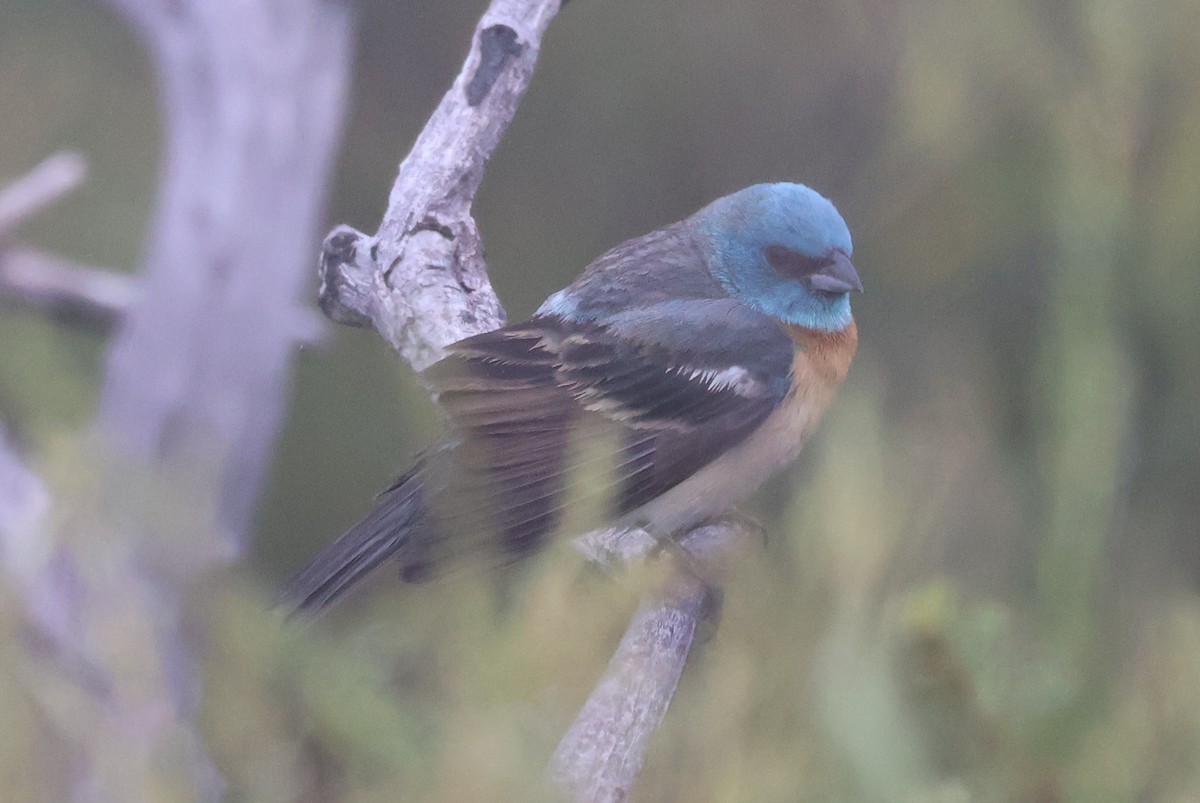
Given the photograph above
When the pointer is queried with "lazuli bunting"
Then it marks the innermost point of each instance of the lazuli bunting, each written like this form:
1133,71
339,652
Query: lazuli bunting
676,374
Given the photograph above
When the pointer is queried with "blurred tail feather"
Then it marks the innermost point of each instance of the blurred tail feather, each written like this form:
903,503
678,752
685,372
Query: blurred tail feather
359,551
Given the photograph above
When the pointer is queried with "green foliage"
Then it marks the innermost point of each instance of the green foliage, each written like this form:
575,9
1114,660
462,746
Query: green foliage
981,583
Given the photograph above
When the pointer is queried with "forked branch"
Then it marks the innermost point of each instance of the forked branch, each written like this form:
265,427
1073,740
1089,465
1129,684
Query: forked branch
422,283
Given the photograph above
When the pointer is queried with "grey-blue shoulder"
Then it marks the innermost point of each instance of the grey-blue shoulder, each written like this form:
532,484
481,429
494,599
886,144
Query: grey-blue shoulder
664,265
704,336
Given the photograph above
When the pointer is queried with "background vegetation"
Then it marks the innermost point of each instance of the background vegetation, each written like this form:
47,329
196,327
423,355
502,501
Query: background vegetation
981,581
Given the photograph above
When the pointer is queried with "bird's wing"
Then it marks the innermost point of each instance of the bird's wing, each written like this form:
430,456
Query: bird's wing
554,414
563,425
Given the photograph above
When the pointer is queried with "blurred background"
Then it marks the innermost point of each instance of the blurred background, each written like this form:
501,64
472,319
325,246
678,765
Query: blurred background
981,580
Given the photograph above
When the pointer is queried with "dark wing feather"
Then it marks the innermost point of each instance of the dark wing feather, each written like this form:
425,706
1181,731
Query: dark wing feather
556,416
396,517
539,404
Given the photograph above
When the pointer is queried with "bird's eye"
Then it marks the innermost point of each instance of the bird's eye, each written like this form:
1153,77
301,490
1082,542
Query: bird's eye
793,263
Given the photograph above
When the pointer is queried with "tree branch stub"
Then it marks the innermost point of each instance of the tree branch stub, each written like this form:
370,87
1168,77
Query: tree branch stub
421,281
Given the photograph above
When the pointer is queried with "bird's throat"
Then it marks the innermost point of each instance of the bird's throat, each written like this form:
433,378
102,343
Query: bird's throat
824,356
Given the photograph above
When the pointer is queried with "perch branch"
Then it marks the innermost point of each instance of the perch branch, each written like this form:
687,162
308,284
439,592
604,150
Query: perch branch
601,754
421,282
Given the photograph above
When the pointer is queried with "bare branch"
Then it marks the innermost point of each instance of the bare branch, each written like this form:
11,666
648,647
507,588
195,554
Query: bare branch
600,756
422,280
54,178
55,285
59,287
98,297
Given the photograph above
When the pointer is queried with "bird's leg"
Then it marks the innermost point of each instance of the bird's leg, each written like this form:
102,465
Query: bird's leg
701,556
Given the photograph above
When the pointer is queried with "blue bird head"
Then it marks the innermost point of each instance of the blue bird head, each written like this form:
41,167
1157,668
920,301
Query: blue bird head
784,250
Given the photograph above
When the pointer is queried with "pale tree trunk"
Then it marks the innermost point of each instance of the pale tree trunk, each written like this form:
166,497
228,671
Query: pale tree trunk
253,97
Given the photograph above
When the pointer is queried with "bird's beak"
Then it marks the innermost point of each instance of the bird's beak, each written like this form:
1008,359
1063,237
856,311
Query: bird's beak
836,276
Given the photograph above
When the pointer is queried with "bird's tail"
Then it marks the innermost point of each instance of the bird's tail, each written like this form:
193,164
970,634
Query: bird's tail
361,549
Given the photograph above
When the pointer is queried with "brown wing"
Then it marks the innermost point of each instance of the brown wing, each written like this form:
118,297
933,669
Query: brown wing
554,414
562,425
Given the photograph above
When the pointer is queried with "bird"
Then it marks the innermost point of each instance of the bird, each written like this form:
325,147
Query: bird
676,374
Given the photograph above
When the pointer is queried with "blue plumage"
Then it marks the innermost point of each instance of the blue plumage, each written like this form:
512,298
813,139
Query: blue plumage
695,360
741,228
724,250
